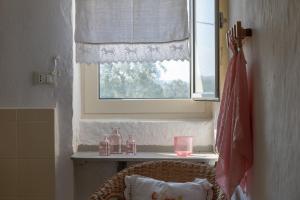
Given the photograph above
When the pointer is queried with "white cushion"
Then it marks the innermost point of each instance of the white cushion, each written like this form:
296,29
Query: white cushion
144,188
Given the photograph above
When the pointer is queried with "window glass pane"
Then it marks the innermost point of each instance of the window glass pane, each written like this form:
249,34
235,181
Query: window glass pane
159,80
205,11
205,49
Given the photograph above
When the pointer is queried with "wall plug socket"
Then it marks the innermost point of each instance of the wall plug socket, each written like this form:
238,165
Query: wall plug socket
39,78
43,79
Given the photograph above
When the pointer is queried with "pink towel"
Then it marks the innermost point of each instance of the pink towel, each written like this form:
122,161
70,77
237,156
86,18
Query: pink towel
234,134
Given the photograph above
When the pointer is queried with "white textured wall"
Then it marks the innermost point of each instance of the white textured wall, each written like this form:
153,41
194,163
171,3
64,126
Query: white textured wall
274,67
31,32
148,132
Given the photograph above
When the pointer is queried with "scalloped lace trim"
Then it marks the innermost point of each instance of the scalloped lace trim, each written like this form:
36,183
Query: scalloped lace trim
110,53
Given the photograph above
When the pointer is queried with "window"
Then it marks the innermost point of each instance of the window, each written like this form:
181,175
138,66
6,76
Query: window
206,49
157,87
145,80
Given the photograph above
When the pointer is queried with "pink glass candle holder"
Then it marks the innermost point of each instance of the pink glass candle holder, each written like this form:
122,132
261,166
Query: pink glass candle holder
183,145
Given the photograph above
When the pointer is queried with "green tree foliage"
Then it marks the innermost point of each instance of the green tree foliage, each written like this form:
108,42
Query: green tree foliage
139,80
208,83
176,89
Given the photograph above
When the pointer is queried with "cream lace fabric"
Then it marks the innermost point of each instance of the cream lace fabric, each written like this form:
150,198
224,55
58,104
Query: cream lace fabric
108,53
131,30
131,21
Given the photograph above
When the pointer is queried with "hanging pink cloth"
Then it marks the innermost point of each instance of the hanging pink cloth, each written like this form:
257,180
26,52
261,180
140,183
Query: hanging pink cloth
234,134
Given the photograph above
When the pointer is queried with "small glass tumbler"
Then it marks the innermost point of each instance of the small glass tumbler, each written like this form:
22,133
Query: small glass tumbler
183,145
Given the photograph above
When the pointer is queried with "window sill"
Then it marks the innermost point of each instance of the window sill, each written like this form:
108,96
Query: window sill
206,157
145,119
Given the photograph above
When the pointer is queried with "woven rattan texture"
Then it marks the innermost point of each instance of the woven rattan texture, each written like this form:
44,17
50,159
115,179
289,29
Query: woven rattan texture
175,171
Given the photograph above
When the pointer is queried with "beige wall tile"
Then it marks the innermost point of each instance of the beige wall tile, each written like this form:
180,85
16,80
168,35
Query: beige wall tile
36,177
31,137
8,177
8,115
36,115
8,139
36,140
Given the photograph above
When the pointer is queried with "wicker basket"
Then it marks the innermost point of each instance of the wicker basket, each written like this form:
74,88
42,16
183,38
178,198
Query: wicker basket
175,171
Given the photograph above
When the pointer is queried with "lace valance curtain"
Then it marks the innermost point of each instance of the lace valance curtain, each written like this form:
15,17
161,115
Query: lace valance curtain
131,30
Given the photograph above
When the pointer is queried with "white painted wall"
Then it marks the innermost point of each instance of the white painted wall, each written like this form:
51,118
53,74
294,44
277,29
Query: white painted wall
31,32
274,68
148,132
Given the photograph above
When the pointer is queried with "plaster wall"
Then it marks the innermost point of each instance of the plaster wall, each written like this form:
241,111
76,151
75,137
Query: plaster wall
31,32
274,73
159,133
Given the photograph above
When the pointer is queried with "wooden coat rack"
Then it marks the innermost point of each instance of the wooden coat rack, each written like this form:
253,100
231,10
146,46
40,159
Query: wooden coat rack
238,33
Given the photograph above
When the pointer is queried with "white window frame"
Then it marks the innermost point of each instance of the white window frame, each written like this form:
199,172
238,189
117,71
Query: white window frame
93,107
196,96
149,108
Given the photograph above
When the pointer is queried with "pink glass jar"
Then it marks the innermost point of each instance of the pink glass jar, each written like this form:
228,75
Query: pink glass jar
130,146
104,147
183,145
115,141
